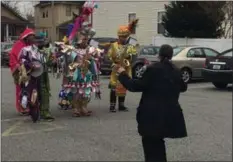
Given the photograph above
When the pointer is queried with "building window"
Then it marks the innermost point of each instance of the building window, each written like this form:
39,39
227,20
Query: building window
43,14
131,17
160,27
68,10
89,20
47,14
11,30
47,33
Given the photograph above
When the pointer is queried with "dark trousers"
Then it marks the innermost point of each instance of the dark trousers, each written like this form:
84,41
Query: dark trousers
113,99
154,149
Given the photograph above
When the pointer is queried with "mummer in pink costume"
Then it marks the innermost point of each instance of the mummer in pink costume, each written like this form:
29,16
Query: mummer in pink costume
26,38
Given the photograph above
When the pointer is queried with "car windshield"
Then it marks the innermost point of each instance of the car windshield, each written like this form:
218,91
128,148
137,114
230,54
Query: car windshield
177,50
227,53
105,40
148,50
6,46
7,50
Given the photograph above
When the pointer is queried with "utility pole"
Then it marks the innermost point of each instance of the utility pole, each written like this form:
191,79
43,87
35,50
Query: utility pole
53,34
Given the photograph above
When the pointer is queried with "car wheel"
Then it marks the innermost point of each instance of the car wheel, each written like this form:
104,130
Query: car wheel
220,85
186,75
137,72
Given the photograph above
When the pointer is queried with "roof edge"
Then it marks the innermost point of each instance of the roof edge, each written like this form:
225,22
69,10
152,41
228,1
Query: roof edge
14,13
58,2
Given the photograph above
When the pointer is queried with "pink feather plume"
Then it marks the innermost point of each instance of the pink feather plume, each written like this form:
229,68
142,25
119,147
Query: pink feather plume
87,10
77,25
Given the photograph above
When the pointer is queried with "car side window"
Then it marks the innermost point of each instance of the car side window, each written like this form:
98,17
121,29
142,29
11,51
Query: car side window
195,53
209,52
148,51
156,50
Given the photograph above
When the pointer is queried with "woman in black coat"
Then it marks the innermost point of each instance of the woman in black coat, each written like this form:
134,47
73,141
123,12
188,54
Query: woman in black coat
159,114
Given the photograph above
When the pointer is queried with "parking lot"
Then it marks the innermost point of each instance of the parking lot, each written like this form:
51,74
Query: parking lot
113,137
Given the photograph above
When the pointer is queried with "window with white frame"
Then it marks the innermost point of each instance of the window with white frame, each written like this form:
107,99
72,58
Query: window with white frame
47,33
131,17
89,19
43,14
47,14
68,10
160,27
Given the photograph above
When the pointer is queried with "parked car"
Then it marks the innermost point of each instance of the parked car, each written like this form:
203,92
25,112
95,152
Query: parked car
218,70
5,50
190,60
5,46
146,55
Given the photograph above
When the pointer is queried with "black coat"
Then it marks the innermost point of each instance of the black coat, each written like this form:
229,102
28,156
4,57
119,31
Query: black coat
159,112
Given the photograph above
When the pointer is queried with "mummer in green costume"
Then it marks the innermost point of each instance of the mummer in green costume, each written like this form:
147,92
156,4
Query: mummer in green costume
45,49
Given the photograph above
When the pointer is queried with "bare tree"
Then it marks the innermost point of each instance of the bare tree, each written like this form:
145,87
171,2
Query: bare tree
228,22
13,5
29,12
28,9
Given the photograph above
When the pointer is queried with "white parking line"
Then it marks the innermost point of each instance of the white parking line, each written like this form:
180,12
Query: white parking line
208,85
200,86
14,119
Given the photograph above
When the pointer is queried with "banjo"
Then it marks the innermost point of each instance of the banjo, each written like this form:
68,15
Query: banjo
38,61
37,69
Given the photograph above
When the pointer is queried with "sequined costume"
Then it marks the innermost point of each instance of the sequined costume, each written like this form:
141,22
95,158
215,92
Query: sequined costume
46,53
15,64
79,61
82,79
35,89
121,53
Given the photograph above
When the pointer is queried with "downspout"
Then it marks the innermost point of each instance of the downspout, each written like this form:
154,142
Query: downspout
92,19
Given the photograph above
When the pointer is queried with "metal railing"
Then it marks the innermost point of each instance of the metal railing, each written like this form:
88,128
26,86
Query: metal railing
11,39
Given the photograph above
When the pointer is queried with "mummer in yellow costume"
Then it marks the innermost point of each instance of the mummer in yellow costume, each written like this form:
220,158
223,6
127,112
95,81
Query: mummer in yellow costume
121,53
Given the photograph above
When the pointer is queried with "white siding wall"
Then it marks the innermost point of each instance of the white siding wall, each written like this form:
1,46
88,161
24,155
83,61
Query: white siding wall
217,44
110,15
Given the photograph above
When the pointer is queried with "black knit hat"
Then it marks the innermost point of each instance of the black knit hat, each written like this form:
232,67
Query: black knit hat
166,51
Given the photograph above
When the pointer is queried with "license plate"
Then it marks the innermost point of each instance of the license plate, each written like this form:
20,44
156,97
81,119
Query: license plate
216,67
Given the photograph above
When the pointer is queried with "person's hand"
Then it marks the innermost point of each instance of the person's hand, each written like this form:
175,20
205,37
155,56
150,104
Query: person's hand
120,70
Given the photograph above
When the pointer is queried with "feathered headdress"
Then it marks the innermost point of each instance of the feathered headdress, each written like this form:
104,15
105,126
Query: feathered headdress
81,20
126,30
132,25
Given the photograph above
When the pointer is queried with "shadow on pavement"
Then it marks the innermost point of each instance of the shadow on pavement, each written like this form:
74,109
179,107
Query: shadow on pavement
213,89
198,81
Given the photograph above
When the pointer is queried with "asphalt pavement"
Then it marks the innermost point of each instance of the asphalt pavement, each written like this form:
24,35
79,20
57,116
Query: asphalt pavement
113,137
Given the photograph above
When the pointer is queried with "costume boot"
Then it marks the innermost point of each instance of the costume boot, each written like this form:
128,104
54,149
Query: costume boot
113,99
84,110
121,104
76,109
44,106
